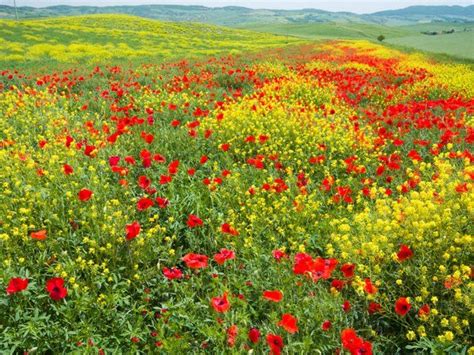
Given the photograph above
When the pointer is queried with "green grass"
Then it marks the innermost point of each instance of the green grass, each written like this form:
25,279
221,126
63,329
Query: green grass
331,30
106,38
459,45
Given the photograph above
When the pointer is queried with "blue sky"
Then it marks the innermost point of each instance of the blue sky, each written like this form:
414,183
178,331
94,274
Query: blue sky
363,6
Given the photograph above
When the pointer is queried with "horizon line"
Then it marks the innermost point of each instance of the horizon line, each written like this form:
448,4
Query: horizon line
237,6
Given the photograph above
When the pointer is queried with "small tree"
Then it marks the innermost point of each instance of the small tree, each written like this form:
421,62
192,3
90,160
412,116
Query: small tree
381,38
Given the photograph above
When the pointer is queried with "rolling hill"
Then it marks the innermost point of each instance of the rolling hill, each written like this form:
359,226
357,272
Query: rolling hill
95,38
233,16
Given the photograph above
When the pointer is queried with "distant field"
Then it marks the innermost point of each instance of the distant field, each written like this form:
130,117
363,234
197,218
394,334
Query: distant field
459,44
331,30
96,38
456,44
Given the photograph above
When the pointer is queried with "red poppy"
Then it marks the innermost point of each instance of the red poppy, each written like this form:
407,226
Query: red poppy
68,170
220,304
404,253
162,202
348,338
370,288
346,306
337,284
173,167
56,289
355,344
114,160
165,179
278,254
223,255
424,311
195,261
276,343
39,235
348,270
316,269
144,203
144,182
288,322
414,155
173,273
402,306
326,325
226,228
274,296
132,230
254,335
16,284
232,333
374,307
85,195
194,221
225,147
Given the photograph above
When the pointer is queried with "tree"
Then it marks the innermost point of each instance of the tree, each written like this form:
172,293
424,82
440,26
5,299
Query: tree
381,38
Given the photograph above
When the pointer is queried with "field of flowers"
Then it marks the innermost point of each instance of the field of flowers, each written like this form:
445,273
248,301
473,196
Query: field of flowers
100,38
314,199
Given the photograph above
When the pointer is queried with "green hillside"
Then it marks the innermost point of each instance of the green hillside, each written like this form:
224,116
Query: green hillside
459,44
97,38
235,16
332,30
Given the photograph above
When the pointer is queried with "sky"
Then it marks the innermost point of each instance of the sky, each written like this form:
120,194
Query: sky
363,6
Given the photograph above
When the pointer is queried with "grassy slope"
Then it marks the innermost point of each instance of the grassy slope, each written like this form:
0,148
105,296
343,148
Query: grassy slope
233,16
459,45
331,30
99,38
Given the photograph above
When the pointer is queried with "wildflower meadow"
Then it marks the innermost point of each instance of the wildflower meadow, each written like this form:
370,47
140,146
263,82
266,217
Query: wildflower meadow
301,198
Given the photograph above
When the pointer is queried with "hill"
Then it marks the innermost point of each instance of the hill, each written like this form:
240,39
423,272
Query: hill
459,44
332,30
422,14
96,38
233,16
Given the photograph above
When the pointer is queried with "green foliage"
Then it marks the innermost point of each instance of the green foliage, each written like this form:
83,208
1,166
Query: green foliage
100,38
235,16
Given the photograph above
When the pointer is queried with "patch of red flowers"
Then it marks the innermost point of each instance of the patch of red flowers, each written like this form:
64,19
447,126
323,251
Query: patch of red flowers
223,256
220,304
404,253
288,322
274,296
39,235
275,342
194,221
132,230
17,284
195,261
356,345
402,306
254,335
84,195
173,273
56,289
226,228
